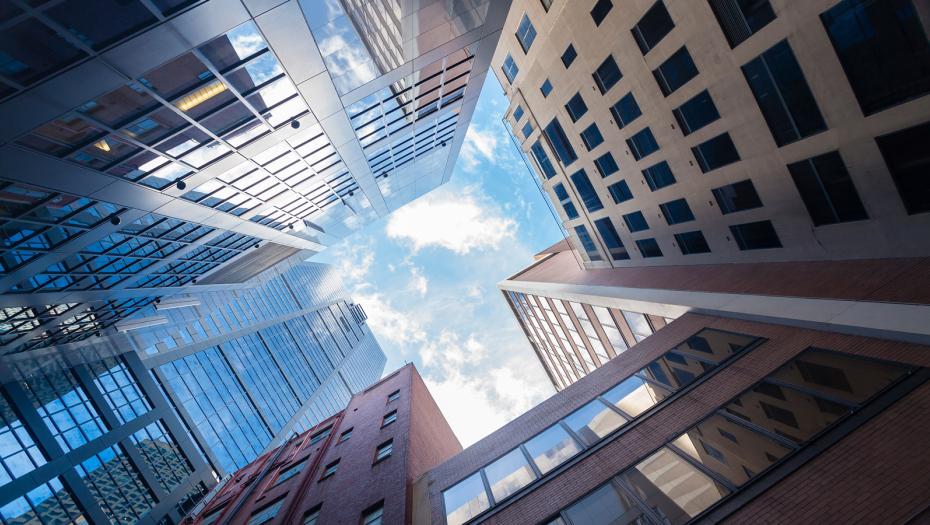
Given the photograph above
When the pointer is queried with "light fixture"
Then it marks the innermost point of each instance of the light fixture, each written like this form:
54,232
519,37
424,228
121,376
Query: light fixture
200,96
102,145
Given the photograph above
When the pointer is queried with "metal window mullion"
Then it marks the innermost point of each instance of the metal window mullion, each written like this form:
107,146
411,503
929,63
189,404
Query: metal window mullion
701,467
781,98
811,392
823,188
778,438
629,418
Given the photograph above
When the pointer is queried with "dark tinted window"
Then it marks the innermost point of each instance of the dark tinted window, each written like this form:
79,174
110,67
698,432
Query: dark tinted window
611,239
510,68
716,152
692,242
527,130
607,74
518,114
620,192
526,33
591,137
545,88
696,113
652,27
783,95
883,48
559,141
625,110
907,155
740,19
562,194
600,10
635,221
738,196
826,189
642,144
606,165
676,211
569,55
576,107
587,243
649,248
755,235
586,191
659,176
675,72
543,160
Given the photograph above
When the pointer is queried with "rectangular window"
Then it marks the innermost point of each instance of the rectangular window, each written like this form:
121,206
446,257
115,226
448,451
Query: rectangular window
384,450
692,242
373,515
510,68
508,474
620,192
562,194
600,10
827,190
526,33
559,142
591,137
642,144
675,72
576,107
594,421
389,418
320,436
551,447
652,27
542,159
736,197
755,235
393,396
659,176
606,165
696,113
676,211
545,88
611,238
518,114
786,101
607,74
465,500
289,473
625,110
587,243
586,191
715,153
329,470
312,517
346,435
908,160
649,248
569,56
635,221
740,19
266,513
884,49
527,130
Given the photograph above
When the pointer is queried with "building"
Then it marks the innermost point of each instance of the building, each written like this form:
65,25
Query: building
356,467
682,132
143,156
136,426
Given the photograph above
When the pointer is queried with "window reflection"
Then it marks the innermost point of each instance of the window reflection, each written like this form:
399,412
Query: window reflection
551,448
594,421
607,505
465,500
508,474
636,395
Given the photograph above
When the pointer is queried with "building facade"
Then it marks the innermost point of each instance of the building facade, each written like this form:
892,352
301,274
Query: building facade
137,425
143,155
677,132
356,467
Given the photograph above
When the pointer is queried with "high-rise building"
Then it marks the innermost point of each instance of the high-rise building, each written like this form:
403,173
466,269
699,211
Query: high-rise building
684,132
138,423
147,146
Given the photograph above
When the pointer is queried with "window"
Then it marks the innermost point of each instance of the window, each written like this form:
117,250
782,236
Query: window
542,159
329,470
510,68
649,248
659,176
569,56
545,88
642,144
625,110
652,27
266,513
346,435
518,114
611,238
559,142
373,515
883,48
676,211
672,486
384,450
594,421
576,107
715,153
508,474
546,4
696,113
827,190
635,221
527,130
755,235
312,517
526,33
620,192
393,396
606,165
606,505
320,436
692,242
675,72
465,500
601,8
607,74
738,196
551,447
786,101
587,243
289,473
908,160
565,200
389,418
586,191
591,137
740,19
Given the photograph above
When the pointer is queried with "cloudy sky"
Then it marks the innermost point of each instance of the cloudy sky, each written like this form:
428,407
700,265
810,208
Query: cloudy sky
427,277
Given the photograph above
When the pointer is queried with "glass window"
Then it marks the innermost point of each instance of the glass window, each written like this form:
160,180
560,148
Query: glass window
508,474
827,190
840,376
518,113
312,517
606,165
389,418
19,454
652,27
587,243
620,192
65,408
163,455
82,19
289,473
565,201
266,513
659,176
692,242
50,502
675,72
569,56
755,235
373,516
611,239
607,74
908,159
696,113
551,448
526,33
740,19
393,396
716,152
642,144
542,160
625,110
31,50
576,107
635,395
738,196
384,450
786,101
638,324
594,421
607,505
510,68
545,88
676,211
330,470
635,221
345,435
600,10
527,130
610,328
116,485
465,500
119,388
591,137
586,191
560,143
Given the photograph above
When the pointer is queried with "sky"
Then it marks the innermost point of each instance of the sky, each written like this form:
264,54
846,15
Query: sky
427,277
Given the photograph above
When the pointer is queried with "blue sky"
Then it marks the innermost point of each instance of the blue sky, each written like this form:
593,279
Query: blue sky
427,277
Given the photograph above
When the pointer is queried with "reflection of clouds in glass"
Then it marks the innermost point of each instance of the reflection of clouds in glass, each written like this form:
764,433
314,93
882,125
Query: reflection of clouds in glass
263,68
246,40
345,55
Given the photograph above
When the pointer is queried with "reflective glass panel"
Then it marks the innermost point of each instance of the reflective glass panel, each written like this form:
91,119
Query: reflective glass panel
551,448
594,421
635,395
508,474
465,500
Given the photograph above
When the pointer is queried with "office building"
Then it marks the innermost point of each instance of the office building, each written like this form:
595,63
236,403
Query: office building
137,424
142,155
356,467
687,132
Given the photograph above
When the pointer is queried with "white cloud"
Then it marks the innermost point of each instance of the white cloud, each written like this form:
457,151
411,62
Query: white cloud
459,222
479,145
388,323
419,281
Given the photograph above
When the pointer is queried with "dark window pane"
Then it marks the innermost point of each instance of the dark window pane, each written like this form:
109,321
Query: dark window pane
848,378
542,159
518,113
738,196
586,191
716,152
84,20
30,51
527,130
659,176
600,10
546,4
649,248
569,56
635,221
676,211
562,194
526,33
675,72
587,243
545,88
606,165
510,68
696,113
559,142
652,27
591,137
740,19
605,506
607,74
576,107
625,110
642,144
620,192
755,235
611,239
826,189
692,242
908,159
